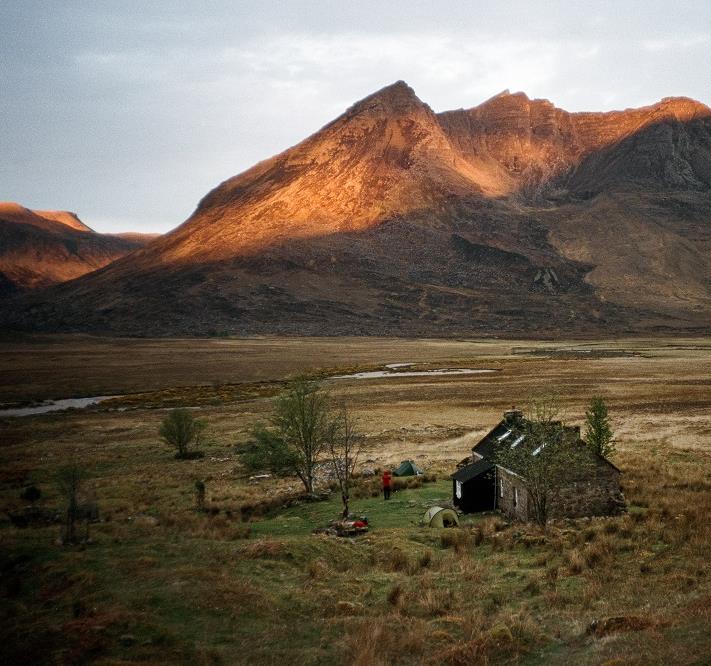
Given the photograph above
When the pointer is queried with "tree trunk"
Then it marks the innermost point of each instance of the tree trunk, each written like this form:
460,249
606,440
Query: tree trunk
71,522
345,506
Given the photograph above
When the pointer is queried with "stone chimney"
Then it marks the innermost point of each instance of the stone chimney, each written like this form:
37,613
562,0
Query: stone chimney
513,416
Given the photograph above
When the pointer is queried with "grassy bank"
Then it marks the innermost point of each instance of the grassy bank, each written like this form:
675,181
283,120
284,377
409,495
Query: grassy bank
197,588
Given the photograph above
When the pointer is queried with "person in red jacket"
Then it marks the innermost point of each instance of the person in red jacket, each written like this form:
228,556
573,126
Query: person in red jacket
387,484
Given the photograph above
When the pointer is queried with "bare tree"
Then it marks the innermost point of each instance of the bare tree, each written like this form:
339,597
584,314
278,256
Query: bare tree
546,457
69,479
200,495
344,446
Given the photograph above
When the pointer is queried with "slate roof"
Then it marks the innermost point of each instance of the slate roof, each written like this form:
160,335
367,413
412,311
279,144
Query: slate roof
511,433
486,447
470,471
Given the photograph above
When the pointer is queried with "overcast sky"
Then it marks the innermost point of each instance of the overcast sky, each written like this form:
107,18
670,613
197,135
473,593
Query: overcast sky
128,112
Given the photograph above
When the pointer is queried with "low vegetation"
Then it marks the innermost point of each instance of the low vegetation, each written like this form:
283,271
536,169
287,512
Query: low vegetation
181,430
268,589
301,427
192,562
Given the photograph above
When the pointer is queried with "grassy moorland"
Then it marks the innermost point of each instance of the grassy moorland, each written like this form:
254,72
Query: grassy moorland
247,582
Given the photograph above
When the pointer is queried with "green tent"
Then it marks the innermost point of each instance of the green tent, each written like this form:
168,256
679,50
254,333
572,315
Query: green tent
438,516
408,468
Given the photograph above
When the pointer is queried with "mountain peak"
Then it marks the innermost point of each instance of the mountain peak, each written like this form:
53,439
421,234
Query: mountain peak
396,98
65,217
11,210
44,247
684,108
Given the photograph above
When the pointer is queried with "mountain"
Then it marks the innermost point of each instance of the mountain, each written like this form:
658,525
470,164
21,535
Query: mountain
514,217
43,247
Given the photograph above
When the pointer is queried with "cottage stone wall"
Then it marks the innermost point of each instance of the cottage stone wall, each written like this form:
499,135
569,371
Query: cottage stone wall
597,495
508,482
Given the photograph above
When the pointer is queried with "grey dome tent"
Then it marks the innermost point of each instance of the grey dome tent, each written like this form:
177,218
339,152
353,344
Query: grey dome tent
408,468
438,516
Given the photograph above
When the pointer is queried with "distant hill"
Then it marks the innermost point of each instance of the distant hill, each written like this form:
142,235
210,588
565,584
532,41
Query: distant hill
40,248
514,217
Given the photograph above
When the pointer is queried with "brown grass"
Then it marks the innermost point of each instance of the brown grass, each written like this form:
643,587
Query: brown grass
493,593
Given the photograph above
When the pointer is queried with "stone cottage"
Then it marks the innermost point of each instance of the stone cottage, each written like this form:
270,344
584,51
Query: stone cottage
482,484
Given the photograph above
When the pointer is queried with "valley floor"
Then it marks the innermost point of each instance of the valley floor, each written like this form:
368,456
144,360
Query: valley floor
249,583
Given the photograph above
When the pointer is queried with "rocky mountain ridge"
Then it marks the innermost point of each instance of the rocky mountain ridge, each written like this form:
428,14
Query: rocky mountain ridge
395,220
39,248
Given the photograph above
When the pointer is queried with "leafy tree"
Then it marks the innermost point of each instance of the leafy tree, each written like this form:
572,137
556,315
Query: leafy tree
598,433
300,428
267,450
344,446
181,430
69,481
546,459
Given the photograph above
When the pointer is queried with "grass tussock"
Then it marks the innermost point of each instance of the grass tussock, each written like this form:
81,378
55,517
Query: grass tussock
458,539
508,638
263,548
394,595
394,559
317,569
370,642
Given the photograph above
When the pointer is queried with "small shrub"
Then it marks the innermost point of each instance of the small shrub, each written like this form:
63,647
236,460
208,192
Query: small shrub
181,429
